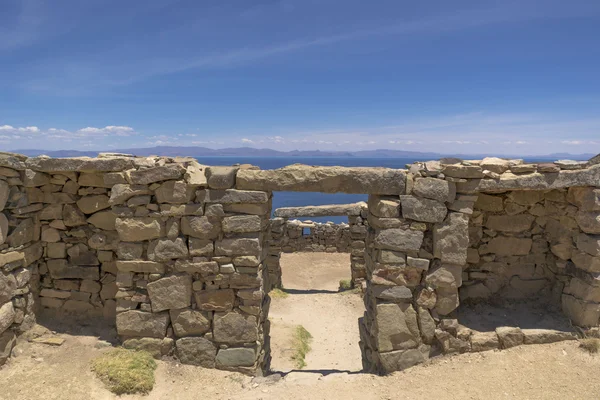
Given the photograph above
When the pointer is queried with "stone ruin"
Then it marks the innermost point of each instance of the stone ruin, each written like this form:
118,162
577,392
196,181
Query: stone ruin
175,254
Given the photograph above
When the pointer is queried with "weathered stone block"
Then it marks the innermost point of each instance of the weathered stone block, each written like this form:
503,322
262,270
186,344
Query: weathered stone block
402,359
488,202
510,223
589,244
305,178
235,328
425,210
188,322
507,246
509,336
398,239
242,223
451,239
7,316
176,192
585,198
397,327
201,247
156,347
221,177
233,196
60,269
140,266
200,227
433,188
142,324
238,247
484,341
120,193
236,357
589,222
580,312
92,204
167,249
196,351
171,292
139,229
156,174
215,300
105,220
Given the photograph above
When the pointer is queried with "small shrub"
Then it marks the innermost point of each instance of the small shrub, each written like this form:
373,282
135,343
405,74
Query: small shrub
301,346
278,294
591,345
126,371
345,284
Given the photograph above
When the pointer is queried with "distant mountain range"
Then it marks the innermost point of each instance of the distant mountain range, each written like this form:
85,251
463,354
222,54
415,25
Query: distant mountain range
192,151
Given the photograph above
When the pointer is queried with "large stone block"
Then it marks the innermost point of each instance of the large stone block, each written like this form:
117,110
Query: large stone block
176,192
236,357
233,196
397,327
92,204
483,341
585,198
507,246
215,300
384,206
303,178
35,178
488,202
238,247
432,188
121,192
139,229
105,220
79,164
463,171
60,269
447,300
581,313
242,223
200,227
321,211
451,239
424,210
72,216
142,324
4,191
23,233
156,174
398,239
8,340
201,247
583,290
402,359
7,316
589,222
510,223
235,328
171,292
141,266
509,336
589,244
188,322
221,177
156,347
167,249
196,351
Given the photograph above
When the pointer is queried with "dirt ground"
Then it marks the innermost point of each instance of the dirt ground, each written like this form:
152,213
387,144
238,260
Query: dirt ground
555,371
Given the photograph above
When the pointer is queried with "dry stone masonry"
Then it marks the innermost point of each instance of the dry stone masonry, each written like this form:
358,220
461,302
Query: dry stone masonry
179,256
292,236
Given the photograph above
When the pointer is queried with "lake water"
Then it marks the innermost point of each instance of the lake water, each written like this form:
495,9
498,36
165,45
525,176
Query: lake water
295,199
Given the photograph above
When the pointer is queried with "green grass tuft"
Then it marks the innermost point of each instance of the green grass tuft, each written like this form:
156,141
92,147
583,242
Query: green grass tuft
345,284
125,371
591,345
301,346
278,294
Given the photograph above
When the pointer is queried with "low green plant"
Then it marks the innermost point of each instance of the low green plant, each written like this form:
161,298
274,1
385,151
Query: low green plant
345,284
591,345
125,371
278,294
301,346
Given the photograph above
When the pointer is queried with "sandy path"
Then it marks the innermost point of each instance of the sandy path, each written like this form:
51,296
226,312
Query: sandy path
331,317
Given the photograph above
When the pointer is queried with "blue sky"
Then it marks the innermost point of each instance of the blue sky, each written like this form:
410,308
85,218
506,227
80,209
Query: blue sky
448,76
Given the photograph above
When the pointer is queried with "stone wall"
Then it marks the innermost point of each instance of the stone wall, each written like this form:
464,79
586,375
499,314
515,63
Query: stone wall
467,230
176,254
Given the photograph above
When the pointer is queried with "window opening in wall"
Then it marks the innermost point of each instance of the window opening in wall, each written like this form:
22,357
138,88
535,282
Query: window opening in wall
306,231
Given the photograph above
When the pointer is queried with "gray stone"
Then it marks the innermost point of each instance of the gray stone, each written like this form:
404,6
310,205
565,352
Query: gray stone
242,223
395,294
23,233
589,222
92,204
142,324
233,196
4,190
236,357
447,300
463,171
580,313
167,249
509,336
398,240
237,247
200,227
139,229
235,328
585,198
35,178
397,327
484,341
196,351
303,178
105,220
215,300
433,188
221,177
171,292
141,266
201,247
384,206
424,210
7,316
120,193
426,325
487,202
402,359
510,223
204,268
176,192
188,322
451,239
589,244
156,347
320,211
72,216
79,164
156,174
541,336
